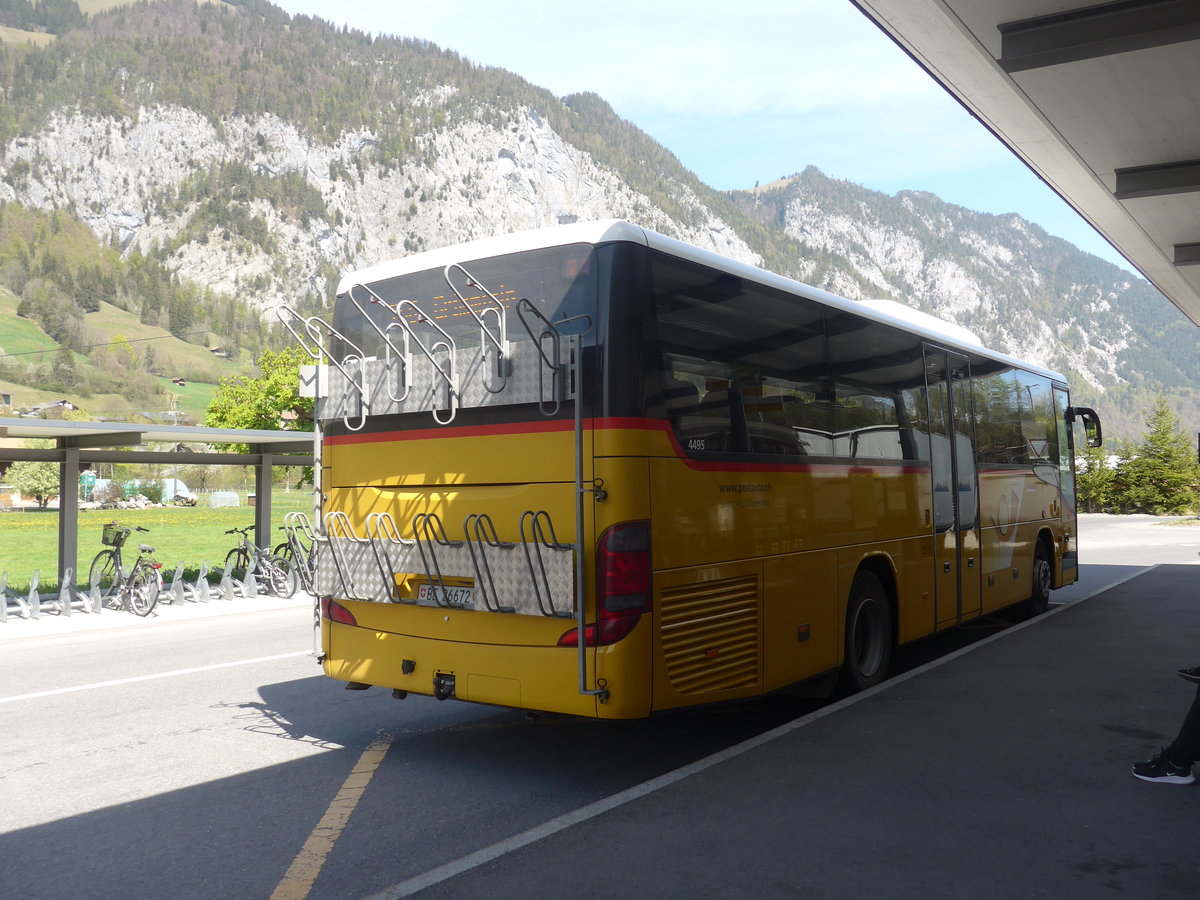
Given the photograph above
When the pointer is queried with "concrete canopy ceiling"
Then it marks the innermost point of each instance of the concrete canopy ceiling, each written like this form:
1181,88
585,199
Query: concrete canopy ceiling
1101,100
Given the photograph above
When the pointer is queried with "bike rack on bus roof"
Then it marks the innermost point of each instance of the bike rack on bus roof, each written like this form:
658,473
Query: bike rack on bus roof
444,371
555,365
499,340
317,350
389,347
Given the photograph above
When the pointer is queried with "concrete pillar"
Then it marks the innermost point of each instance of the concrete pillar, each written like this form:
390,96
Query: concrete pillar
68,512
262,503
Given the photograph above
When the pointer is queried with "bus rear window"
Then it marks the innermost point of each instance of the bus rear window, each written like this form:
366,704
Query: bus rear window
560,282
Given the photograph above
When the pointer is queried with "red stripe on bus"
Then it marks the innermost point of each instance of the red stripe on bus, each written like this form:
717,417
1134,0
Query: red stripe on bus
453,431
610,423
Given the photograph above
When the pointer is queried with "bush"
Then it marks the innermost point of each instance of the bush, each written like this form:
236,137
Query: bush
151,490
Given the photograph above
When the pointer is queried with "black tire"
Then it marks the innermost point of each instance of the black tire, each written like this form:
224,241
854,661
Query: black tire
103,573
283,551
868,642
143,591
1041,582
235,563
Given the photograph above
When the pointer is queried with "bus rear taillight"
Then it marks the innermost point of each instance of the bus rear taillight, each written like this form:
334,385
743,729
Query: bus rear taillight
623,589
335,612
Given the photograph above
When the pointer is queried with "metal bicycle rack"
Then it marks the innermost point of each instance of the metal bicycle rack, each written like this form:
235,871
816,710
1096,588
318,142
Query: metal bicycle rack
313,346
480,525
382,533
424,369
540,525
498,341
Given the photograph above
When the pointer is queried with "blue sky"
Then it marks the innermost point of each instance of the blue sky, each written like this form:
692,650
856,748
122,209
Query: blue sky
744,92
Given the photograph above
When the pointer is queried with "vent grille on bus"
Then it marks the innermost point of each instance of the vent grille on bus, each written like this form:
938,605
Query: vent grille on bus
710,634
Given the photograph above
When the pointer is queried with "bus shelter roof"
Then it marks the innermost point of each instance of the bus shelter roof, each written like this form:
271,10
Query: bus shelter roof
128,434
1097,98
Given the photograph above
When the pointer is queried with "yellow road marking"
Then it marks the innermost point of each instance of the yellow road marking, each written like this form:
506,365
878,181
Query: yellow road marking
299,878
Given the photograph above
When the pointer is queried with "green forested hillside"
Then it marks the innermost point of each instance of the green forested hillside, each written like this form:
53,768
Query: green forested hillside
79,321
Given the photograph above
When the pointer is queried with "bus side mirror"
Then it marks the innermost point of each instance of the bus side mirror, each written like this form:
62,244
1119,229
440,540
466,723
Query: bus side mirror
1091,423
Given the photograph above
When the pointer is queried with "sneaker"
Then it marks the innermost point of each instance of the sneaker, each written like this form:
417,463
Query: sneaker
1192,674
1159,768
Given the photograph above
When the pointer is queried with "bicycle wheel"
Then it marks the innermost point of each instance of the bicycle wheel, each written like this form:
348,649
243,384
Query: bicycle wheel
283,551
280,577
103,573
143,590
236,562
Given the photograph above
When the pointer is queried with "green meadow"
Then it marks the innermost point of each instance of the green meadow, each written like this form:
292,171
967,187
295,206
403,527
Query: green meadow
180,535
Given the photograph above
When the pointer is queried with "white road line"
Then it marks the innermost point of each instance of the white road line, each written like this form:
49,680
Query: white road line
485,855
172,674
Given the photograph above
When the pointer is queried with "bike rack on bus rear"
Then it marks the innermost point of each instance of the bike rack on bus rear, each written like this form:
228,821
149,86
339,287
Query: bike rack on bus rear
392,553
338,526
382,533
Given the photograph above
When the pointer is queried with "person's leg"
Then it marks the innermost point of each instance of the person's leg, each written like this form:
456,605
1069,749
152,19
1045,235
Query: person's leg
1174,764
1185,749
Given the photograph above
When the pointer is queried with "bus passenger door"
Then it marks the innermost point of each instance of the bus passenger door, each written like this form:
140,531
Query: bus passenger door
1066,482
956,554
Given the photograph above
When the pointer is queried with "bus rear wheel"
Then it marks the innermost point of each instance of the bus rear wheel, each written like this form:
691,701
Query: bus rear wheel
1043,580
868,648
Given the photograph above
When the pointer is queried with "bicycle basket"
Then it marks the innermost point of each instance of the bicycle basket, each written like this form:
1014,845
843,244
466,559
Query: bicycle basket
114,535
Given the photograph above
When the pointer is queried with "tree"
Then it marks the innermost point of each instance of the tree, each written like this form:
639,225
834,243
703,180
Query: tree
63,370
35,479
1095,481
1161,476
259,402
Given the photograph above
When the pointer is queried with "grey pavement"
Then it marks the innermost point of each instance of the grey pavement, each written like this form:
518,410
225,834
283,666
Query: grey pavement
1000,771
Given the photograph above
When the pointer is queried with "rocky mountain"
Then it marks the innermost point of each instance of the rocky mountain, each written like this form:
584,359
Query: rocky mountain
255,155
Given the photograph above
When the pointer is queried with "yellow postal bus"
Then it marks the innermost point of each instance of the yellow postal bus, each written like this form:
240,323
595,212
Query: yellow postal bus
593,470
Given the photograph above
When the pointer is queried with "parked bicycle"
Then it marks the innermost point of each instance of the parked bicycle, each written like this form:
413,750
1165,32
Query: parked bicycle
245,559
296,552
135,589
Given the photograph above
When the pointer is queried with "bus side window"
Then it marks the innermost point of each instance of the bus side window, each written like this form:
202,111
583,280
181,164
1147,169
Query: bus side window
701,418
767,427
998,437
716,418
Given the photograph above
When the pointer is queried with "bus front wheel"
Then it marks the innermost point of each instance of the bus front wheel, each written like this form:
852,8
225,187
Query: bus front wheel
868,650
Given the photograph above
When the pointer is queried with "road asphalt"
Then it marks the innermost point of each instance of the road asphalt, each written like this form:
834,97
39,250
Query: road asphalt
1000,770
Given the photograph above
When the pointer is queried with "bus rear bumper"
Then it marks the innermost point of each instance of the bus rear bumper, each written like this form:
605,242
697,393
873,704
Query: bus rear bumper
522,677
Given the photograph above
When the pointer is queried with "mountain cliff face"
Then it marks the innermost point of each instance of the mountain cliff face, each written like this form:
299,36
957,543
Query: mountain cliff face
134,179
258,155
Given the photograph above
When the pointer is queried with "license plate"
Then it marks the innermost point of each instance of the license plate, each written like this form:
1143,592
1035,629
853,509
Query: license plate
457,597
